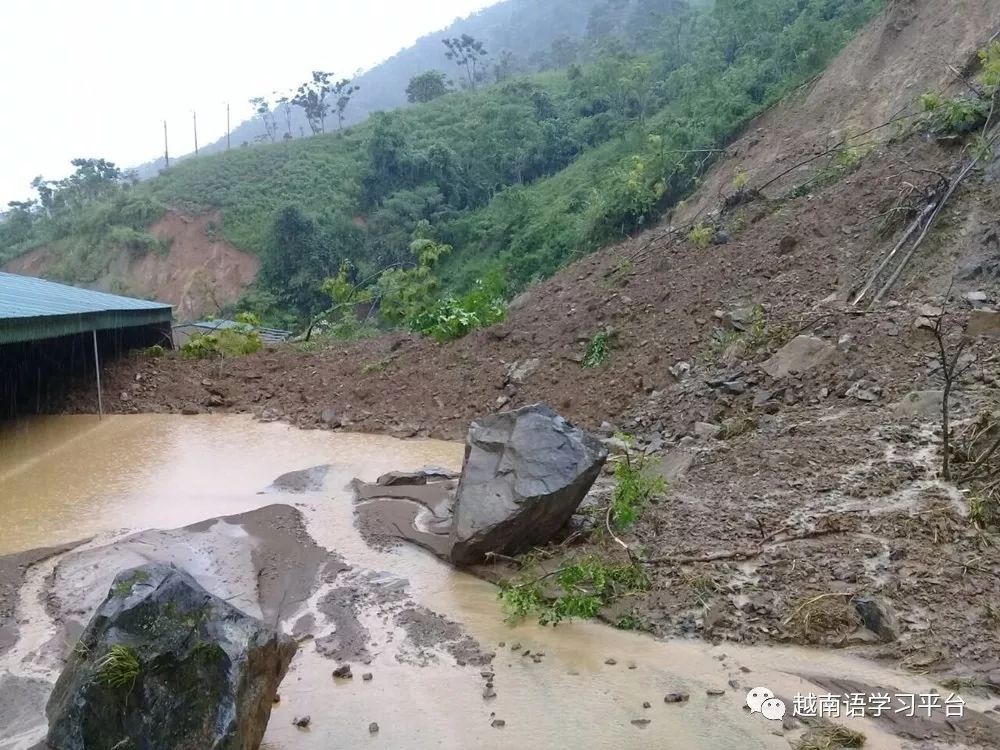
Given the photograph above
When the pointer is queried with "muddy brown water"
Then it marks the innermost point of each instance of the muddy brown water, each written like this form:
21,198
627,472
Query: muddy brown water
66,478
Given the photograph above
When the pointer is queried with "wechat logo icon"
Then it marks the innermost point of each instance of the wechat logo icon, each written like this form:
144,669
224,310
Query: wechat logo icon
761,701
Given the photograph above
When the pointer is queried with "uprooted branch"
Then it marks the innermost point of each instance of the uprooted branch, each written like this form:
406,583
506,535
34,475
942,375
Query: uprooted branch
747,553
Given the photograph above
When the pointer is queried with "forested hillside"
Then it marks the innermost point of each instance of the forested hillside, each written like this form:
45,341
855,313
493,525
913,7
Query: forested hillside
519,37
504,182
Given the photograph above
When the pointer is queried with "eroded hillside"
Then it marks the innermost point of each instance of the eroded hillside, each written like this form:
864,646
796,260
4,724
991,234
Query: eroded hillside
806,478
198,272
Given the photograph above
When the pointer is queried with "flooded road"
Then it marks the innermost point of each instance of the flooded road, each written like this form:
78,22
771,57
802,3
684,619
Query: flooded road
69,478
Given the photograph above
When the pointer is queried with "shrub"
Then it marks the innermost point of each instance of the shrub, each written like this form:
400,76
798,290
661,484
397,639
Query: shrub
597,350
701,236
637,484
581,589
239,341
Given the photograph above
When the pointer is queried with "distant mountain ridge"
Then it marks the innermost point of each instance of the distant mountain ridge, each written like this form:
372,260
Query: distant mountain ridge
525,28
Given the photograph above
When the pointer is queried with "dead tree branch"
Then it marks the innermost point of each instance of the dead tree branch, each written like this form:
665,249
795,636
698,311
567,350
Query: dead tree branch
744,554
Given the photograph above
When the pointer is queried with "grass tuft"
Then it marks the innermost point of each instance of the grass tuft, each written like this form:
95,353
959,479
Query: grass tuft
119,667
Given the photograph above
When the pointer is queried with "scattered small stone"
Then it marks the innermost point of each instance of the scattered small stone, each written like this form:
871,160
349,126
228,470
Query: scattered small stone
515,647
641,723
715,692
498,723
527,652
302,722
734,684
489,683
610,662
633,665
373,728
745,670
367,677
489,692
343,672
676,698
276,699
502,644
647,704
487,674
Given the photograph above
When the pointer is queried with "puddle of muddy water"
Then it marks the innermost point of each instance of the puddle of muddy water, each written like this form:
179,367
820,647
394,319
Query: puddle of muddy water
66,478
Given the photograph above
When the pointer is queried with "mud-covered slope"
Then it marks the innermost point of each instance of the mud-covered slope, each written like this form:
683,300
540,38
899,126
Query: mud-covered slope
820,483
914,47
199,273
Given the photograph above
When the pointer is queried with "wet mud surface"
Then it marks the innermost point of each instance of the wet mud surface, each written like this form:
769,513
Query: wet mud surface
13,569
403,628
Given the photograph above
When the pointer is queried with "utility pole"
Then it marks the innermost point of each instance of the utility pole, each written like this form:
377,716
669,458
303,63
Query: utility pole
228,144
195,115
166,151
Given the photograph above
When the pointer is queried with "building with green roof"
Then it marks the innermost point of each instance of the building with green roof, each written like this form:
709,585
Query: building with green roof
52,335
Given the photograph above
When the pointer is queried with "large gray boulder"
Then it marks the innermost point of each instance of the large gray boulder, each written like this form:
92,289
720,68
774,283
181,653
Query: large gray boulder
164,665
525,473
801,354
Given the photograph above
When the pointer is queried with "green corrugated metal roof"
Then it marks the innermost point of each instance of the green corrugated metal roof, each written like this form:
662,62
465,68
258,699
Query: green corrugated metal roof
33,308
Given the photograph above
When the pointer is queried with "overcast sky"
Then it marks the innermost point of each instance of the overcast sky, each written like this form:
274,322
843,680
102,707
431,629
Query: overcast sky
96,78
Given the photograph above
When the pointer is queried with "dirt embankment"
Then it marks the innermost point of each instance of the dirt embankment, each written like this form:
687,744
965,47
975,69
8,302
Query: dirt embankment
198,275
824,485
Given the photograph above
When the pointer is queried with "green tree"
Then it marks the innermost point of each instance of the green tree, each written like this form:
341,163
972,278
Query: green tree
342,91
427,87
469,54
407,293
303,256
263,111
284,104
311,96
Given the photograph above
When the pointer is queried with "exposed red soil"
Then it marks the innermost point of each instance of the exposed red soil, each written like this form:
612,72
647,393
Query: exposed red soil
200,274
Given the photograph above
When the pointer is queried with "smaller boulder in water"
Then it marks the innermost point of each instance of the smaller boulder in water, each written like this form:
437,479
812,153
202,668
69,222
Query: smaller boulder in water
304,480
525,473
419,477
165,665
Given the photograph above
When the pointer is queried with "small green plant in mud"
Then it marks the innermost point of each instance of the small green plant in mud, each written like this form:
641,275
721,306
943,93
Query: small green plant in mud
637,484
840,164
597,350
984,510
154,352
758,336
992,614
621,272
119,667
576,590
701,236
628,622
741,178
830,736
702,587
736,426
376,366
966,113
